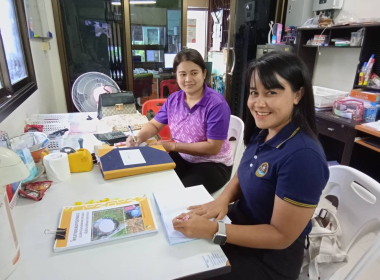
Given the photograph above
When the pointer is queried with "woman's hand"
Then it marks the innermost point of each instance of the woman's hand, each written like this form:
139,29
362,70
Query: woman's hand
215,209
194,226
169,146
130,143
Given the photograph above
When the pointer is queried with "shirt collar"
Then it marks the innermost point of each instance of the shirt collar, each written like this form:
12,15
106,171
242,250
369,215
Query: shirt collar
204,99
280,138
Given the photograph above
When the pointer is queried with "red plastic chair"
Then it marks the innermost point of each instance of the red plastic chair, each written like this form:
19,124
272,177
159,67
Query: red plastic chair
155,105
171,84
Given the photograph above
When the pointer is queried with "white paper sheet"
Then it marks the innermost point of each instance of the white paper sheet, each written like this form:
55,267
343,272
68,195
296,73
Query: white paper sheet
171,204
131,157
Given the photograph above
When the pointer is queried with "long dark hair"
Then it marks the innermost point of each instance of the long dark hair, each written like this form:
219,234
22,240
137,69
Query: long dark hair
291,68
189,55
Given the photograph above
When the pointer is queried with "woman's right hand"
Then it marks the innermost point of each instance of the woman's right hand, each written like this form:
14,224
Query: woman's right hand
131,143
217,209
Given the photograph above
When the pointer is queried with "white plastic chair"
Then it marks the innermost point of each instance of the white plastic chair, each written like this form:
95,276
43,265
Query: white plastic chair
358,211
235,130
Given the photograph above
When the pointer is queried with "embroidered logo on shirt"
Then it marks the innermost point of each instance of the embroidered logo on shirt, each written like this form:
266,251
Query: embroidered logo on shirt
262,170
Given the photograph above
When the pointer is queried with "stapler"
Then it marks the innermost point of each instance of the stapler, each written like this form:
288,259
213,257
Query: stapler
80,160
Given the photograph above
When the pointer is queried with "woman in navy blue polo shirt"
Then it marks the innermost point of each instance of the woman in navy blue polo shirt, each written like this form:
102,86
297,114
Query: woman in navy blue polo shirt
278,183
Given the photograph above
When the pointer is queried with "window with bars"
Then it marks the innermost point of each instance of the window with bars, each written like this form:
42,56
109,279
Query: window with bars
17,77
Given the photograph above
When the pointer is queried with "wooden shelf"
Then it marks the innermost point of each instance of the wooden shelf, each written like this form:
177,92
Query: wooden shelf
368,130
367,88
361,142
342,27
348,47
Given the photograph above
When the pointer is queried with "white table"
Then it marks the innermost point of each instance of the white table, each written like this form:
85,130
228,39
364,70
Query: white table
143,257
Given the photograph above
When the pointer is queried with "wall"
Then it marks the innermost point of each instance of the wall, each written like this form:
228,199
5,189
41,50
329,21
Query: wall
49,98
201,27
198,3
337,69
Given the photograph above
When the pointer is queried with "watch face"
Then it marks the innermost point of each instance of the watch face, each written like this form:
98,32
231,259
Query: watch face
220,239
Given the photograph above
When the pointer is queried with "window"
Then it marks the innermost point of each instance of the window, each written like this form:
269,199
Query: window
17,78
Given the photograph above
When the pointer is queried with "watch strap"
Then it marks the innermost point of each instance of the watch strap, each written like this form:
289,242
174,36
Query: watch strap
221,227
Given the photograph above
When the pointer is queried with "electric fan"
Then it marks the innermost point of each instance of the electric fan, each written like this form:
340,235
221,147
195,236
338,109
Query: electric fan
87,88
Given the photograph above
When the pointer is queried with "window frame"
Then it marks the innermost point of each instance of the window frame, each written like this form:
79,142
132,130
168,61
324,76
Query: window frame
12,96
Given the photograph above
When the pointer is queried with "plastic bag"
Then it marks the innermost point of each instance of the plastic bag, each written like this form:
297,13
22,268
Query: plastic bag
311,22
345,18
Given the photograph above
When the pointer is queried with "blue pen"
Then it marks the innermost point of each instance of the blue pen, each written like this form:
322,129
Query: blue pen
131,131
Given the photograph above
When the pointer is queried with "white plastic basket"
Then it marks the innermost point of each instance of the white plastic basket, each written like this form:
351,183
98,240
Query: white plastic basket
51,126
325,97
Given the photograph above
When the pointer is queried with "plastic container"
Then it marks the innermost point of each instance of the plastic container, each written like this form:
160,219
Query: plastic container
371,113
350,109
325,97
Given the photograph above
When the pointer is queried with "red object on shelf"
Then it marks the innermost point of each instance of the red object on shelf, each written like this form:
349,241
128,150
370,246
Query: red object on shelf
155,105
171,84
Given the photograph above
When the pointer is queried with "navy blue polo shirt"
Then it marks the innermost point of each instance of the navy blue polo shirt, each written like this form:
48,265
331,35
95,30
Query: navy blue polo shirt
291,165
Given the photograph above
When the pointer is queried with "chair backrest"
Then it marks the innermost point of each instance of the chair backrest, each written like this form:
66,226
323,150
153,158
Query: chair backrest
359,203
236,129
142,85
155,105
171,84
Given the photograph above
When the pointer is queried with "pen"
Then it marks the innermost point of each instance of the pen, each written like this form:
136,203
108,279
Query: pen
130,129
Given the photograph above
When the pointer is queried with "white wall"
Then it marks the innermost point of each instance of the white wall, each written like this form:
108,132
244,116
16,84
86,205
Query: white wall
337,68
49,98
201,27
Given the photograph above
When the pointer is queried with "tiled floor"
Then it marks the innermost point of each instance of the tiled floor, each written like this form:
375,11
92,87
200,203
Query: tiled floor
371,273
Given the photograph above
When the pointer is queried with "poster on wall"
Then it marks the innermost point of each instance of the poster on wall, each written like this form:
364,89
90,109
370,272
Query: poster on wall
191,30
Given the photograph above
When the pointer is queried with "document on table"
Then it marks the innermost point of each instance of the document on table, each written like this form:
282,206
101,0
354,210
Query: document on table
131,157
375,125
174,203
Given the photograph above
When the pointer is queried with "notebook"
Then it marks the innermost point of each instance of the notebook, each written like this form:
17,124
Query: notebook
96,223
172,203
122,162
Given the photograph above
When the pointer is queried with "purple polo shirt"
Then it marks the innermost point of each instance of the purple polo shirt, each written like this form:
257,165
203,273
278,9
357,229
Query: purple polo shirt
208,119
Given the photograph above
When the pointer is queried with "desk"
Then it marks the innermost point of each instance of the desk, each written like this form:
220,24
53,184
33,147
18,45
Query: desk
367,130
337,128
143,257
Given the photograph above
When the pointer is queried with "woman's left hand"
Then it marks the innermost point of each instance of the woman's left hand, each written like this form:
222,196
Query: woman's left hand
169,146
195,226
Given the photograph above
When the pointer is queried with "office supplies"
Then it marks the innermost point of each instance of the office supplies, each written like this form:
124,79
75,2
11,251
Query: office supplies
122,162
366,95
102,222
368,71
361,74
57,167
131,131
12,169
112,137
173,203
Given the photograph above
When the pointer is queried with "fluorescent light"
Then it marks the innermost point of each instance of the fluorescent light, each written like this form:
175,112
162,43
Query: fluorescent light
136,2
142,2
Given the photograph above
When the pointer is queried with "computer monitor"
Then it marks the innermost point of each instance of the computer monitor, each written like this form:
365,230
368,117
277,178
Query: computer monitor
169,59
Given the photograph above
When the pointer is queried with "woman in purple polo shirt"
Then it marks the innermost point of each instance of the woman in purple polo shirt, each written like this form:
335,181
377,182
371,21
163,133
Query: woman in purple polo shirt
279,180
198,118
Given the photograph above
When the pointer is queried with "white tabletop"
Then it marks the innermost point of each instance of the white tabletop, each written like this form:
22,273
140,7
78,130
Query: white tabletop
143,257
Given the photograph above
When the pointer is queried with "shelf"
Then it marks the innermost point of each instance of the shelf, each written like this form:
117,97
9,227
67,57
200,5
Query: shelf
368,130
341,27
367,88
348,47
361,142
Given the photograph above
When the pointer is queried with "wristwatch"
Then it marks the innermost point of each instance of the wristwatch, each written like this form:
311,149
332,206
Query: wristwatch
220,237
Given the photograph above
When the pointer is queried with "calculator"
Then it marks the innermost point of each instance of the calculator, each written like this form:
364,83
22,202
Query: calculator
112,137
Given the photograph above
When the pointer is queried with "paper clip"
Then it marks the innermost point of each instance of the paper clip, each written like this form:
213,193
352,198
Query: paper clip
60,233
